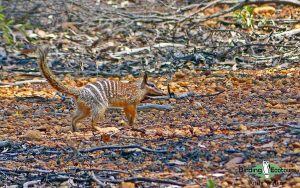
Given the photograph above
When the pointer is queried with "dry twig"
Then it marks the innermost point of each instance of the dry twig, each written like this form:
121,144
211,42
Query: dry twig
31,183
2,84
136,50
93,176
144,179
162,181
235,7
288,33
93,149
184,95
144,107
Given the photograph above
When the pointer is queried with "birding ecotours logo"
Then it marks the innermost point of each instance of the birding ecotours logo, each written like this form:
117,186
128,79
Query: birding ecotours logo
265,170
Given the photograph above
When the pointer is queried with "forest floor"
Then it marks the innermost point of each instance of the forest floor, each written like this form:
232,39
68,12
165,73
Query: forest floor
245,108
255,118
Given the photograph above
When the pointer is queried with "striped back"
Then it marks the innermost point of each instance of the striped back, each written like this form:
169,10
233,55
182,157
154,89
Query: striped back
104,91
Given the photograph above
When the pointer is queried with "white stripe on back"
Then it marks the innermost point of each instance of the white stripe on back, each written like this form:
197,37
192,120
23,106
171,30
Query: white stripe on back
102,95
114,87
102,89
108,88
103,92
93,95
117,85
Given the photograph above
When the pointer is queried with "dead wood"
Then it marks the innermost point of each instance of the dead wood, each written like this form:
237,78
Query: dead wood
100,183
19,83
184,96
93,149
31,183
118,55
235,7
143,179
288,33
200,10
192,6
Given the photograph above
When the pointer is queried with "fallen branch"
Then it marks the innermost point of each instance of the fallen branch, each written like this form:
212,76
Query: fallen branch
100,183
184,95
25,171
225,53
288,33
93,149
200,10
154,106
146,106
143,179
18,83
259,132
162,181
121,147
235,7
4,143
33,98
192,6
292,125
30,183
291,2
136,50
102,170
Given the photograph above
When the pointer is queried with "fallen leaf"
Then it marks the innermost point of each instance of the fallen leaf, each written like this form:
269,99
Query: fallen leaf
179,74
233,162
201,176
297,26
69,25
106,130
243,127
268,145
279,111
264,10
127,185
218,175
33,135
105,138
192,186
220,99
176,162
40,33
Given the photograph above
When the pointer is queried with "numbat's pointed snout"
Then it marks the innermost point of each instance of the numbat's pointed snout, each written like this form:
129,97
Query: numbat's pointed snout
94,98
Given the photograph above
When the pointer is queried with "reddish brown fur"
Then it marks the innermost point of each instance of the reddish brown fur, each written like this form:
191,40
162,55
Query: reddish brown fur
94,98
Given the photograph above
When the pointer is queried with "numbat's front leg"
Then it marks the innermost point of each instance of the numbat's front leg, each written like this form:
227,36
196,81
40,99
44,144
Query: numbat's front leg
130,112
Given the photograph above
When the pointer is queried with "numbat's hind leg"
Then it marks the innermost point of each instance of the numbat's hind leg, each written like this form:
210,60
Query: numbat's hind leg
81,113
130,112
96,116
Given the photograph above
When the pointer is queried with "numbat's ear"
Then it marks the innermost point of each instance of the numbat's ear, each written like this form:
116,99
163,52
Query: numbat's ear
144,81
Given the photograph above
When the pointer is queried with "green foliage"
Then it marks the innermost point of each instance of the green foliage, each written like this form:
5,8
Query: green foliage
5,25
245,16
23,27
210,184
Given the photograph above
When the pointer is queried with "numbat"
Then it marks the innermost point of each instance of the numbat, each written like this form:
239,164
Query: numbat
94,98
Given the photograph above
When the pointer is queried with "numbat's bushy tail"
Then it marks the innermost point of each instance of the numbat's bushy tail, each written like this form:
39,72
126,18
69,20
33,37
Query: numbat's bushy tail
52,79
94,98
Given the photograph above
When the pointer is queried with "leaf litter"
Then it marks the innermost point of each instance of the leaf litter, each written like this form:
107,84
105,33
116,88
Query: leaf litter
244,107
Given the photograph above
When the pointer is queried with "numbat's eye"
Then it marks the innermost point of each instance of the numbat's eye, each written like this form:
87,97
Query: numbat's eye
151,85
